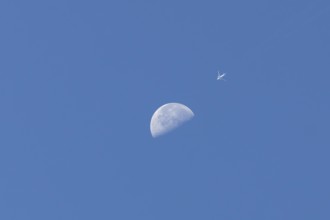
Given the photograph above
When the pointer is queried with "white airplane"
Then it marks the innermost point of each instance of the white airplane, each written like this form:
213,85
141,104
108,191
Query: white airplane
221,76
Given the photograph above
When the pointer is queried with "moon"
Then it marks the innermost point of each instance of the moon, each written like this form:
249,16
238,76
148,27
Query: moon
168,117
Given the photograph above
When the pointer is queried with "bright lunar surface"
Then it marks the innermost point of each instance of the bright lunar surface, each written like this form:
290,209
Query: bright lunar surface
168,117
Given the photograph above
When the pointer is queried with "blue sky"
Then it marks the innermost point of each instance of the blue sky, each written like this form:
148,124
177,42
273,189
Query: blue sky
80,80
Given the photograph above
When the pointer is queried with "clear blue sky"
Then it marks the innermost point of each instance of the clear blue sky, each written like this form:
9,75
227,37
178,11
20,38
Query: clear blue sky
80,80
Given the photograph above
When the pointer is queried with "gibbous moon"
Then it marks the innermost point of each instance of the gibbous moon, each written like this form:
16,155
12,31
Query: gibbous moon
168,117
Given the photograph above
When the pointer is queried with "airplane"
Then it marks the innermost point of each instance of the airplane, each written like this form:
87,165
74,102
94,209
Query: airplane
221,76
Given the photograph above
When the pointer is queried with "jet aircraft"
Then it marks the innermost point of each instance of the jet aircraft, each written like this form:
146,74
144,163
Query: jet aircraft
221,76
